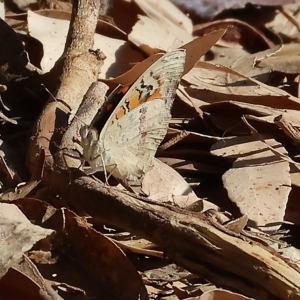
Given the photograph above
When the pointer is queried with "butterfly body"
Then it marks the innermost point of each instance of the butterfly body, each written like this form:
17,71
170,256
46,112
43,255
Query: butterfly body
127,143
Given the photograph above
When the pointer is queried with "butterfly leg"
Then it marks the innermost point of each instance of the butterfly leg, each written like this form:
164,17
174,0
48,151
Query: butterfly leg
104,169
90,171
110,173
95,167
63,157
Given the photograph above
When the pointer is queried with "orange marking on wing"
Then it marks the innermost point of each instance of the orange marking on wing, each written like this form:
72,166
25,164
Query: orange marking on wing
120,113
156,95
134,100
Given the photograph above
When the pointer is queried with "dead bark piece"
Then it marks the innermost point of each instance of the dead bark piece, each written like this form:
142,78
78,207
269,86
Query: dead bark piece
93,100
80,68
191,240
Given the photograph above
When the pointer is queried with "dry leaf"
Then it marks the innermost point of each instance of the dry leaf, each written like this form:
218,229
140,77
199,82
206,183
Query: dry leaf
151,37
165,28
106,268
18,235
52,33
218,97
258,182
224,80
166,14
162,183
194,50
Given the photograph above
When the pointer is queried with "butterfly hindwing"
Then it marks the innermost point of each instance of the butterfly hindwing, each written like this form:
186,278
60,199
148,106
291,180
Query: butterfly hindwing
130,137
142,130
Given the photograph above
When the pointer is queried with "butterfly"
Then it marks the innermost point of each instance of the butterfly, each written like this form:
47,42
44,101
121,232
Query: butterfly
128,141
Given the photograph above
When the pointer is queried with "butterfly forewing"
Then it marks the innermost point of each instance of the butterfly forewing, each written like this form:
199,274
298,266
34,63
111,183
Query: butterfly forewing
136,127
159,81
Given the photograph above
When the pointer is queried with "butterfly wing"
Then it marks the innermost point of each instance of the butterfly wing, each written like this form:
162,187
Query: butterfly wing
159,81
131,151
131,135
130,142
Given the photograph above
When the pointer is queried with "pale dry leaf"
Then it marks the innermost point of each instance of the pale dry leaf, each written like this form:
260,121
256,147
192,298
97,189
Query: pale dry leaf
52,32
285,50
165,28
136,71
258,182
184,200
17,235
267,114
247,63
42,257
187,98
162,183
166,14
152,37
196,206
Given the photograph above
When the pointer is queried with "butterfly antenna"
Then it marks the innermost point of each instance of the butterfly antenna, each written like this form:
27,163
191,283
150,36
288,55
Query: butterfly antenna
55,99
63,103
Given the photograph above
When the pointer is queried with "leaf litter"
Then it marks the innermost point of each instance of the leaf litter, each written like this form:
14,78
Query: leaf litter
219,215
